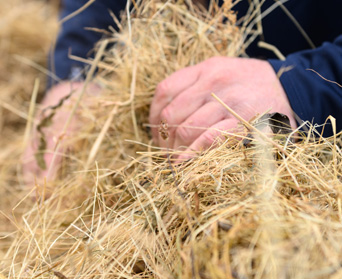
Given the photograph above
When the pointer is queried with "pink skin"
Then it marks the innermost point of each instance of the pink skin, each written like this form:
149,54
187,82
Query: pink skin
32,173
248,86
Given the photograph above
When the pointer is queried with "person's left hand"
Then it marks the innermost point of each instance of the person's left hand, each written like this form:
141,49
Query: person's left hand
184,100
33,173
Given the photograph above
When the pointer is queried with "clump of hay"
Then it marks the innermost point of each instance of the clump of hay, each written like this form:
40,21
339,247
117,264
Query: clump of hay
27,29
120,209
155,40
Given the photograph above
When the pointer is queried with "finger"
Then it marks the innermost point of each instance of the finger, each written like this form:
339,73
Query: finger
169,88
181,108
203,118
32,171
208,138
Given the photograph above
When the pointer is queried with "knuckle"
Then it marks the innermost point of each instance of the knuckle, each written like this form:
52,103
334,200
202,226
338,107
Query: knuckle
217,73
183,134
166,114
162,89
221,76
208,139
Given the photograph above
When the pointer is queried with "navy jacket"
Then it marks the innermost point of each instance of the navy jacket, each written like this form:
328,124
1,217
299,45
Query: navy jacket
311,97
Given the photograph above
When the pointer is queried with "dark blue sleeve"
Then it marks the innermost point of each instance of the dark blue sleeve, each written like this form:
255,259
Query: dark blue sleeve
313,98
75,38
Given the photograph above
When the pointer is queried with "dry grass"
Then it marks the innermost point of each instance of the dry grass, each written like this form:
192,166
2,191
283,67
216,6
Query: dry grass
119,209
27,29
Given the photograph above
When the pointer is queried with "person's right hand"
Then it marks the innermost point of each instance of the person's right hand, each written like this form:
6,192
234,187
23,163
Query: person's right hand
196,119
32,172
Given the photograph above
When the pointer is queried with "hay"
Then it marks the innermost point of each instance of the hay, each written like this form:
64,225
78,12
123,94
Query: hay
120,210
27,29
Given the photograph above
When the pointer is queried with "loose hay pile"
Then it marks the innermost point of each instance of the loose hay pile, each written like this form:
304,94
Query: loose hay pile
27,29
121,210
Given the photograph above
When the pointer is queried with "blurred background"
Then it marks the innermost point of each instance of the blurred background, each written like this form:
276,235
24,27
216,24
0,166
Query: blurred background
27,30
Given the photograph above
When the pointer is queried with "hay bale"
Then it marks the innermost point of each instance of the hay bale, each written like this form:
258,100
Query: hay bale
120,209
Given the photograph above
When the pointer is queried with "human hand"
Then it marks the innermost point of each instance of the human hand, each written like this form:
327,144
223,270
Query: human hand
33,172
184,101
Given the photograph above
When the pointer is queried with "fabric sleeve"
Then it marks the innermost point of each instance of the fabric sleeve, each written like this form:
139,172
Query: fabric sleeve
74,38
312,98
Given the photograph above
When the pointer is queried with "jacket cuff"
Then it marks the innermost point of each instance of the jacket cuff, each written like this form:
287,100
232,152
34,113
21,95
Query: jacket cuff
288,72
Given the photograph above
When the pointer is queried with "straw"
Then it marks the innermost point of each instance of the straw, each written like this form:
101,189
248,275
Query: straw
118,208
